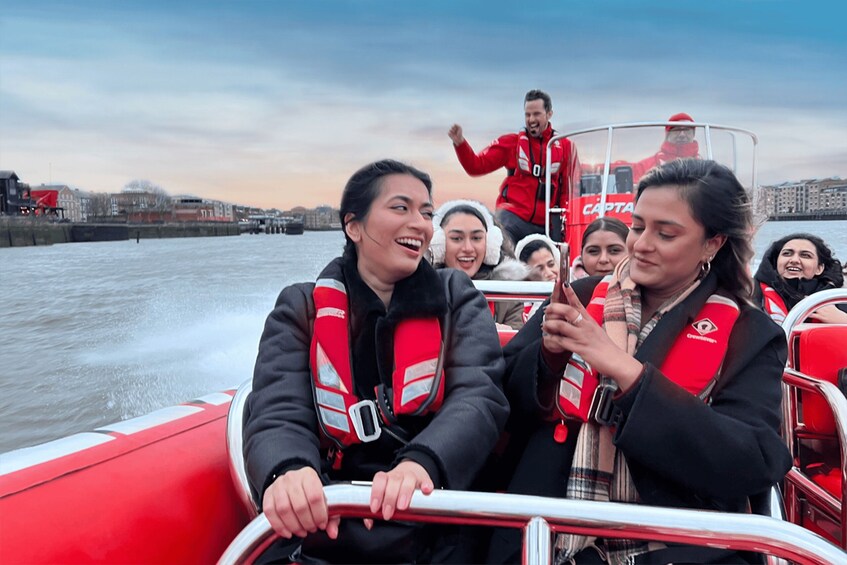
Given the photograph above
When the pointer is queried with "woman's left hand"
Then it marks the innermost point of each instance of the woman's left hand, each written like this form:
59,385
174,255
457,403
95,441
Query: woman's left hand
393,490
829,315
571,328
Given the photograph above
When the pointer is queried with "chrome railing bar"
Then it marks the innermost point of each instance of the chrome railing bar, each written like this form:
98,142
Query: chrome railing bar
631,125
523,288
604,519
808,305
793,379
814,491
537,546
707,133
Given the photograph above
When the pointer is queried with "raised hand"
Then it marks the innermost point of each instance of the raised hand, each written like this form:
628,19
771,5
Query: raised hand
455,134
568,327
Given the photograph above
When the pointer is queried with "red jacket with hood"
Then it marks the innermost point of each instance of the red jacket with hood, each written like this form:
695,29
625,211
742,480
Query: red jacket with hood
667,153
519,191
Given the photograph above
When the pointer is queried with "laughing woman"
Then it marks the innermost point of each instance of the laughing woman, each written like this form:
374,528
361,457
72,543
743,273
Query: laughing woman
689,371
794,267
467,239
390,364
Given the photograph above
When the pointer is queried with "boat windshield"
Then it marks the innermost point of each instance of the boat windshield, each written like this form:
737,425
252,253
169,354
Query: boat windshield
612,159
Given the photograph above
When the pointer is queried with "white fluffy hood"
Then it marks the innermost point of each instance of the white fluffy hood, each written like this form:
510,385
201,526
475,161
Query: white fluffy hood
510,270
538,237
494,237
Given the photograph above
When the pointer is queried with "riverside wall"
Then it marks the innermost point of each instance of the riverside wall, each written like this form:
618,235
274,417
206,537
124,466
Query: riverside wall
20,232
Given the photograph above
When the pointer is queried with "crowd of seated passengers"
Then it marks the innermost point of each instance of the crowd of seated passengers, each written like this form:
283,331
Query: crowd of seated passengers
677,438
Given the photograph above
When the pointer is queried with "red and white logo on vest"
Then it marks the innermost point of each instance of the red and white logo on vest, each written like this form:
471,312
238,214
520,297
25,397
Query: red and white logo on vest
704,327
330,311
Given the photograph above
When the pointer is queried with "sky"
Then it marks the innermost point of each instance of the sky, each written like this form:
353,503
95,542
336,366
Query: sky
276,103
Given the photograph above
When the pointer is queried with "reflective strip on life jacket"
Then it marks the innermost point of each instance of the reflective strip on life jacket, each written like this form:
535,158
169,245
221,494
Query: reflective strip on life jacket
417,381
704,341
773,304
418,378
526,164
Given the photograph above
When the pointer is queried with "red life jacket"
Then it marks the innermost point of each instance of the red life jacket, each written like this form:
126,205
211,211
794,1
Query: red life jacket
417,382
773,304
532,163
705,341
522,192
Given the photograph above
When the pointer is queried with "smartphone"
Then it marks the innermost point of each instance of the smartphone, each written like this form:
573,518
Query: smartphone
564,274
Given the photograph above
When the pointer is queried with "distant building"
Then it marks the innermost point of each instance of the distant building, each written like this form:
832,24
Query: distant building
322,218
805,197
828,194
69,200
188,208
14,195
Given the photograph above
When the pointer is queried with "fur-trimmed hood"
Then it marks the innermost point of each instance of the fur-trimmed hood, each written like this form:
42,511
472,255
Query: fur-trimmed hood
554,249
494,236
508,270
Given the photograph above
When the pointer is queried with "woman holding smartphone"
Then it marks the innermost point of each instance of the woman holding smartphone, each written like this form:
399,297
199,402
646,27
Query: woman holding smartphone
658,428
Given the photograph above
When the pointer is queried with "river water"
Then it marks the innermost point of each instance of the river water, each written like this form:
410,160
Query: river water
93,333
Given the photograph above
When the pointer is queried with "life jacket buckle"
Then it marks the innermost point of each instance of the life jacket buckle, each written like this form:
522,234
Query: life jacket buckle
536,170
602,409
365,420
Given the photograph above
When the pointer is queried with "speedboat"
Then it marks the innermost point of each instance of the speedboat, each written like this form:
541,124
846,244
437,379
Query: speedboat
170,486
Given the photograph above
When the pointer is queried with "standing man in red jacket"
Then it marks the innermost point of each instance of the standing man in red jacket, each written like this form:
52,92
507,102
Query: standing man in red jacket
520,203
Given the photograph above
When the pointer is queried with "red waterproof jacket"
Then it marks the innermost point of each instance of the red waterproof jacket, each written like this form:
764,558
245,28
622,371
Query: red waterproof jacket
668,152
521,192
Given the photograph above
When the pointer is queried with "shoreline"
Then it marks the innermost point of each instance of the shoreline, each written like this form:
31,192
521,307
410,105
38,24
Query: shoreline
16,232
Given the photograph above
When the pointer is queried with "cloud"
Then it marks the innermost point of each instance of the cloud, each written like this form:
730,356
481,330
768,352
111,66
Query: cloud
251,102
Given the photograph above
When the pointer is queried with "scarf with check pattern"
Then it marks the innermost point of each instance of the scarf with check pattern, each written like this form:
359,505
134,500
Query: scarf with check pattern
599,472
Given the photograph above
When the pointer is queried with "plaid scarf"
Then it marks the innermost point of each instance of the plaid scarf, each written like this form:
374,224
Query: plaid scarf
599,472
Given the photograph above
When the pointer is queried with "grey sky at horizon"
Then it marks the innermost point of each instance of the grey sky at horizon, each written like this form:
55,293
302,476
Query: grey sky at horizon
276,104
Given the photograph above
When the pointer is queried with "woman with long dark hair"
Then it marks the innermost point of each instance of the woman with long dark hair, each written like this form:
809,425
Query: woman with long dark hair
383,370
794,267
661,384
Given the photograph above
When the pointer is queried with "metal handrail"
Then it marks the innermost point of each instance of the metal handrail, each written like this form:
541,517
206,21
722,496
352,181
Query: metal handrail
234,447
523,288
837,403
506,291
742,532
707,128
805,307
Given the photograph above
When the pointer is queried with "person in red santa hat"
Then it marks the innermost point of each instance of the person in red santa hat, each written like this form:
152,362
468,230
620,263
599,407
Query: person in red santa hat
679,144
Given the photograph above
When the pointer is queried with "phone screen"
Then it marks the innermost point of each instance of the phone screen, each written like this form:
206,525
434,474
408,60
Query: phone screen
564,274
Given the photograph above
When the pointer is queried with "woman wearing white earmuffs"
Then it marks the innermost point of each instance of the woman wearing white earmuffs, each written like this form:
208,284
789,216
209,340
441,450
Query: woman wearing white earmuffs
467,239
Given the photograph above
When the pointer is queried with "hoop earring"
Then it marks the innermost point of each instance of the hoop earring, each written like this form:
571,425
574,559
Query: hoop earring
705,268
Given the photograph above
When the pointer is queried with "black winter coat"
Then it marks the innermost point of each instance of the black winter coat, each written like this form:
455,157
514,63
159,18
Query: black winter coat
682,452
281,430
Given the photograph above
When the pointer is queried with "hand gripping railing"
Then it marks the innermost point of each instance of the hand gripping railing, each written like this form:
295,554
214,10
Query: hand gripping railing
541,517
